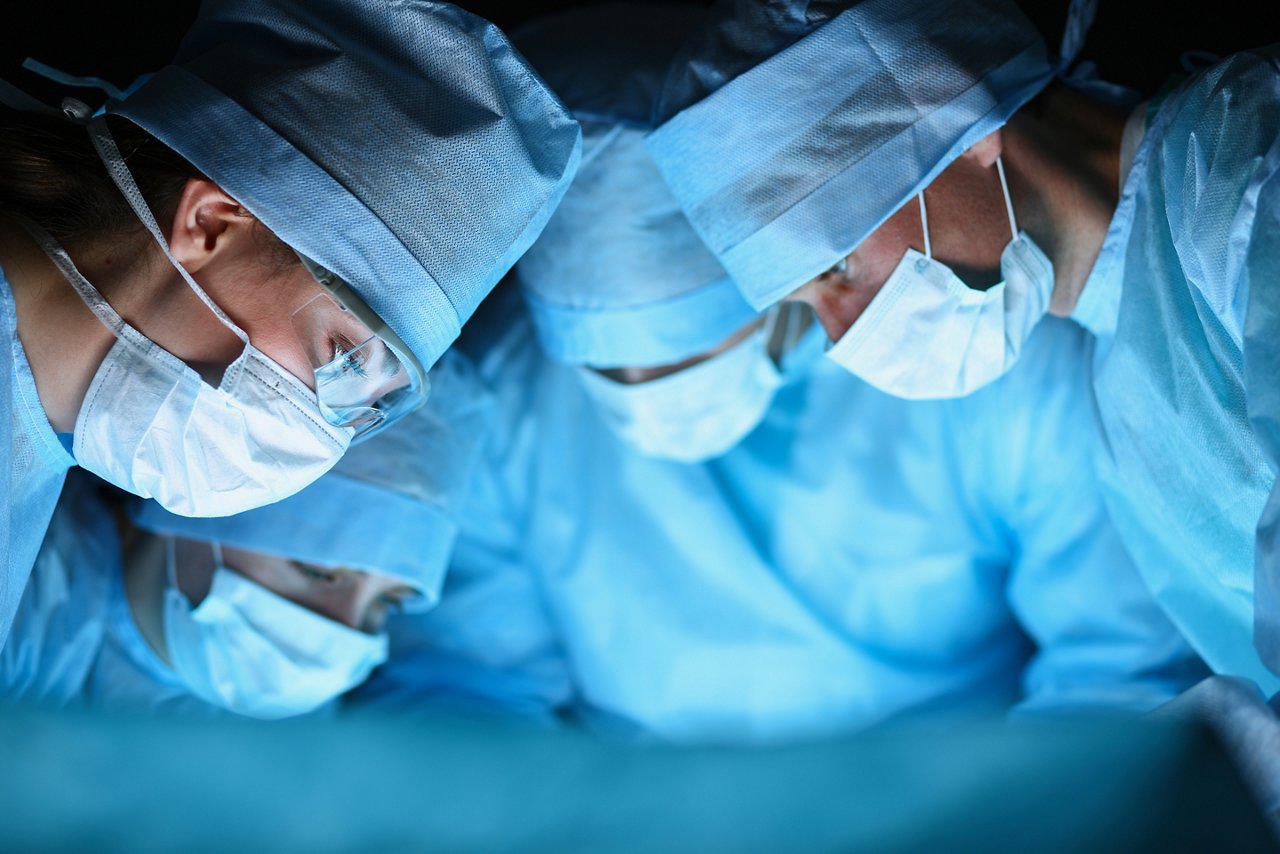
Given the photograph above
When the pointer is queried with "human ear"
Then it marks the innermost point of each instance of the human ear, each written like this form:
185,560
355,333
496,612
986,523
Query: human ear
985,151
205,223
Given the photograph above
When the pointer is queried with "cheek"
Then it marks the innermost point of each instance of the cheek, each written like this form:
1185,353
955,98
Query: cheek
266,311
877,255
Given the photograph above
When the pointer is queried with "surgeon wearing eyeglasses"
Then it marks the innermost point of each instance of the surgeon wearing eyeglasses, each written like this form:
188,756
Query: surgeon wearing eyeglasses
212,289
734,539
992,195
269,613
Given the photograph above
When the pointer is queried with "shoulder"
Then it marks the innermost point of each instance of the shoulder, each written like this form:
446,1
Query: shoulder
1215,147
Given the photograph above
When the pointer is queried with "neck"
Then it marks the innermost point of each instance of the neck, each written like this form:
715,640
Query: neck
63,340
144,585
1066,154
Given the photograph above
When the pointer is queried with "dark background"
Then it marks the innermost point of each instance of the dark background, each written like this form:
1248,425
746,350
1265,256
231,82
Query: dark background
1135,42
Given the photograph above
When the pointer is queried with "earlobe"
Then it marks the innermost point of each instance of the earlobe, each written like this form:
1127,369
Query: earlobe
985,151
204,222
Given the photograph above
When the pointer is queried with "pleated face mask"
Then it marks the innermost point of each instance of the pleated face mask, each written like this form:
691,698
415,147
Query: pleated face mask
699,412
150,425
251,651
928,335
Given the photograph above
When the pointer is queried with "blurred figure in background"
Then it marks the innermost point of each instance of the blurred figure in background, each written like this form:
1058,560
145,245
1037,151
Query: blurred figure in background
211,286
734,538
269,613
928,149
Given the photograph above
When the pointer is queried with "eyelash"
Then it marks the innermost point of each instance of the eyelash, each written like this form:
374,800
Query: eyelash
342,350
311,572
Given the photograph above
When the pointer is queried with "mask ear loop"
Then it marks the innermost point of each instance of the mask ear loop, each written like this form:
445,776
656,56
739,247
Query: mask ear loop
924,228
217,554
1008,200
110,155
171,560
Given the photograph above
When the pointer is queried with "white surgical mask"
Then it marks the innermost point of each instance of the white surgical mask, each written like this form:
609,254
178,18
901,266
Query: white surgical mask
696,413
150,425
255,653
928,335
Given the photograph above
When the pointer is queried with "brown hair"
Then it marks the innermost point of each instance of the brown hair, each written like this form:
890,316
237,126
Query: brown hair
50,174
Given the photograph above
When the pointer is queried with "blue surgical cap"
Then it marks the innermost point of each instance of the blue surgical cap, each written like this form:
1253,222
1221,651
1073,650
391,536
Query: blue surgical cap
404,145
386,507
786,167
619,277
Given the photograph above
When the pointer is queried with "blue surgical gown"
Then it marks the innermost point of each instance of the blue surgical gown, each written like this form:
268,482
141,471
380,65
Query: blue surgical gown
34,464
1184,300
74,640
857,556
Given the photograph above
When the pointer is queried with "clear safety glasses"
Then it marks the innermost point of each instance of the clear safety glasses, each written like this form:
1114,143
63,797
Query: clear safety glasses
365,377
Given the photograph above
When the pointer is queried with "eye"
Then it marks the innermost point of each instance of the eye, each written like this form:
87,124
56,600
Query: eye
352,360
395,600
315,572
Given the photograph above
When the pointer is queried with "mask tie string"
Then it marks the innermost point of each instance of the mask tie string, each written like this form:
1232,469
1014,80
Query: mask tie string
924,227
1008,200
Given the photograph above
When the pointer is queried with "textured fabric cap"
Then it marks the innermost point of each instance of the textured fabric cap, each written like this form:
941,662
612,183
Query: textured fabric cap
619,277
785,168
386,507
406,146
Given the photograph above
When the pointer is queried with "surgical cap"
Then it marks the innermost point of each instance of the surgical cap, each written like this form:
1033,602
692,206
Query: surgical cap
405,146
386,507
619,277
786,167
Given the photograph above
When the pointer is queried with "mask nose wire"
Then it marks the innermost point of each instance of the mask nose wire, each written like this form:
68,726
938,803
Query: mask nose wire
924,227
1008,201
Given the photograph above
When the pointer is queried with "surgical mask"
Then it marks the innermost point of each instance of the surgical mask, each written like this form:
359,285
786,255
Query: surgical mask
251,651
150,425
928,335
696,413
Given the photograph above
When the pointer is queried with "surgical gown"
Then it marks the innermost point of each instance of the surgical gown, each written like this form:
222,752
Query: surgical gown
34,464
74,640
1184,302
856,557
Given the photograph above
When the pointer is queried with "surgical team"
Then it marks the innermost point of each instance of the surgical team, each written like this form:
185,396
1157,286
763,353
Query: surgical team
740,374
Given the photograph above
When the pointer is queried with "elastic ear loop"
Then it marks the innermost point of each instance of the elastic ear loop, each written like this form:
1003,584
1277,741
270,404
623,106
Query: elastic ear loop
109,153
1008,207
1008,201
171,560
924,227
217,553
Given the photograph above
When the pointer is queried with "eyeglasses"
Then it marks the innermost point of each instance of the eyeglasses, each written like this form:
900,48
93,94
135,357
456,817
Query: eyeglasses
365,376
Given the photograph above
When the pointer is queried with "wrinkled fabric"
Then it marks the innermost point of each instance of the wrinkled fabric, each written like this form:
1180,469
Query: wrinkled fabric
1189,262
250,650
389,506
128,675
1247,726
405,146
739,34
946,554
845,125
618,277
489,646
60,623
74,642
35,463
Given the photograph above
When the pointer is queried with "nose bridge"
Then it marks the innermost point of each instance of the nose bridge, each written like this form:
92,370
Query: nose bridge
348,601
359,608
836,302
